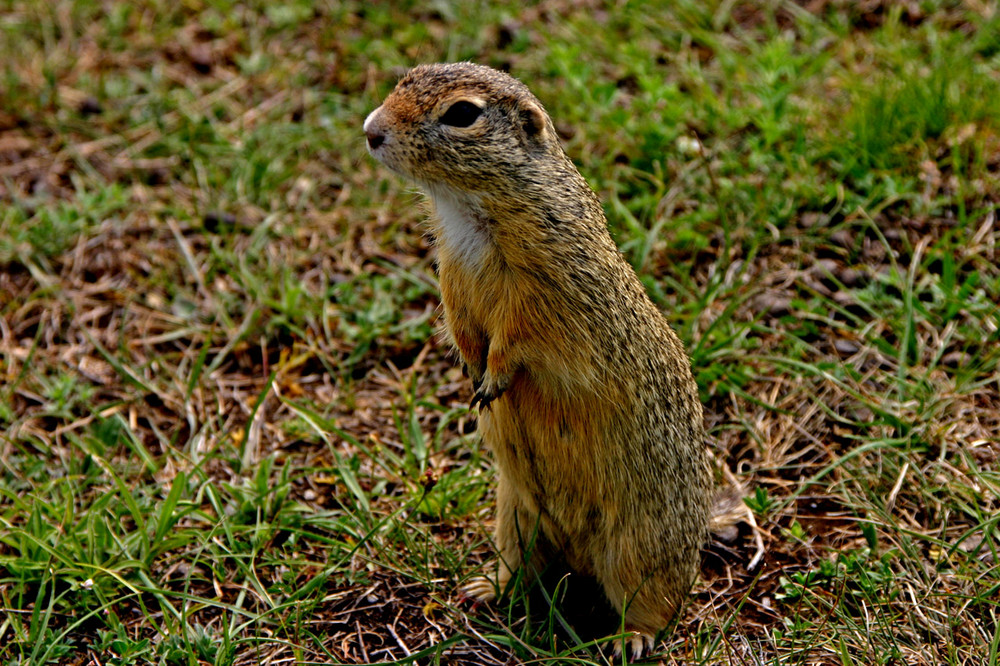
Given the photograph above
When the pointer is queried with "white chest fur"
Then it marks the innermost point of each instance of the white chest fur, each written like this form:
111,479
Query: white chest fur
462,226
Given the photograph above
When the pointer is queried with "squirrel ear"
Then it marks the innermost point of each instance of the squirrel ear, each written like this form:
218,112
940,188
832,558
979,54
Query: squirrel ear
534,122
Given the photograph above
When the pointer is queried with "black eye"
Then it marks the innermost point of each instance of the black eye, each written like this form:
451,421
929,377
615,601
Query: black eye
461,114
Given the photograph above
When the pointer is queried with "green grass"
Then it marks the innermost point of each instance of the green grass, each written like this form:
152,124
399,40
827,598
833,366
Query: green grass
228,433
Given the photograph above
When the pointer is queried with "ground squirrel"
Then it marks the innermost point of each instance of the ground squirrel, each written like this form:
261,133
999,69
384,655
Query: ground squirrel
585,393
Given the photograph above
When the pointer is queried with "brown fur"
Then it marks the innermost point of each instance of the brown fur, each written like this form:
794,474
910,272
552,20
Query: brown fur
587,399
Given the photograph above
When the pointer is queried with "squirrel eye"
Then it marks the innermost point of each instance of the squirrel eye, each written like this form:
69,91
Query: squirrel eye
461,114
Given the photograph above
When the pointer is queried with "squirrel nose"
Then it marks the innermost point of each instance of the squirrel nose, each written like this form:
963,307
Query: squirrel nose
375,139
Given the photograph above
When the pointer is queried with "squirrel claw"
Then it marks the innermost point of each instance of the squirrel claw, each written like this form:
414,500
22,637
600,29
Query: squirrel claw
486,392
479,590
484,398
634,643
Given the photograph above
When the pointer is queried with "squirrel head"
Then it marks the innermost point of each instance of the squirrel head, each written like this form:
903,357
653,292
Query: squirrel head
464,127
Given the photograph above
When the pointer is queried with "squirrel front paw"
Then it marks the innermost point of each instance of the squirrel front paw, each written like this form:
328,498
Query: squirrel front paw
488,389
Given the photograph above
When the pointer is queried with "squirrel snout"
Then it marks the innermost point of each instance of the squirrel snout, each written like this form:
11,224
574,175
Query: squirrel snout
375,136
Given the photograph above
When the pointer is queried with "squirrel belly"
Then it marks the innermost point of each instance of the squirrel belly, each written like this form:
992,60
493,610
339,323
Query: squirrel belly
586,395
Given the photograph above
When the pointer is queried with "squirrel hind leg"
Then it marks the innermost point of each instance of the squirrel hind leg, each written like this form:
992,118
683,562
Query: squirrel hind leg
647,610
520,543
